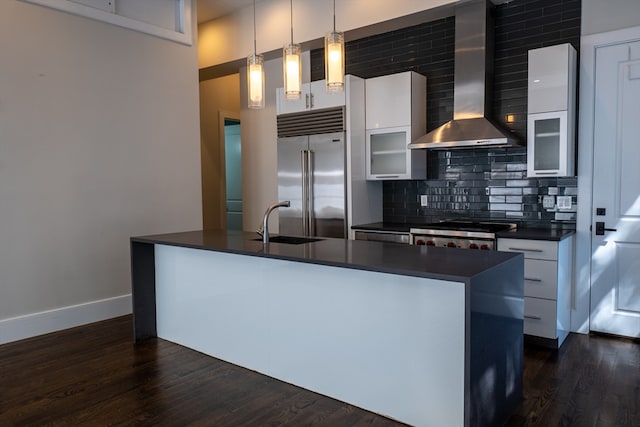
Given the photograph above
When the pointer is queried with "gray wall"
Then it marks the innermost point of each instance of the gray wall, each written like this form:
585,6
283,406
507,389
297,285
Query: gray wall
599,16
99,140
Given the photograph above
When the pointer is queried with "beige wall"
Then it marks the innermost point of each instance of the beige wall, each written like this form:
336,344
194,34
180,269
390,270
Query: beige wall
99,141
216,96
600,16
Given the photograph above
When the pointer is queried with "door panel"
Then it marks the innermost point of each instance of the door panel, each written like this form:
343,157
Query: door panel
615,265
290,183
328,163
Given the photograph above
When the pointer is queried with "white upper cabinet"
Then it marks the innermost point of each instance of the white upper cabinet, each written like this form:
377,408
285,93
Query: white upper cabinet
551,111
314,97
396,114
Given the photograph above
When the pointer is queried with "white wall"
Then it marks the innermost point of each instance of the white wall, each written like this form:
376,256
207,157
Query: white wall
601,16
231,37
99,141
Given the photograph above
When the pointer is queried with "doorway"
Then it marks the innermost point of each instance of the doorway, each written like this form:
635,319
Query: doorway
609,220
233,172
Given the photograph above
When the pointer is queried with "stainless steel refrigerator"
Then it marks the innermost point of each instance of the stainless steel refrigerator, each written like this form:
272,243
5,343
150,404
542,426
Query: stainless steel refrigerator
311,174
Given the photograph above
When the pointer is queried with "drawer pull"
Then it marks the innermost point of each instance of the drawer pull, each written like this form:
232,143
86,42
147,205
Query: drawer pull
532,280
533,317
526,250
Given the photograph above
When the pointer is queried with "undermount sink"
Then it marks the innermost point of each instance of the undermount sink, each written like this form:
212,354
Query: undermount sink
291,240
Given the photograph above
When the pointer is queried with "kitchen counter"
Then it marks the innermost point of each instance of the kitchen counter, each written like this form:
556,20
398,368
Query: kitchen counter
421,261
404,331
519,233
397,227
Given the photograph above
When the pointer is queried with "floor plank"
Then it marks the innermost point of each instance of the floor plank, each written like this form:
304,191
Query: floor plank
95,375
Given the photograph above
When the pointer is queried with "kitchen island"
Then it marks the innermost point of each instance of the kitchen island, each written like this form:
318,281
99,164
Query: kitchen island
427,336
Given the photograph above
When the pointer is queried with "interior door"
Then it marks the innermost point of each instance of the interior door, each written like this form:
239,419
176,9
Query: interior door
328,185
615,251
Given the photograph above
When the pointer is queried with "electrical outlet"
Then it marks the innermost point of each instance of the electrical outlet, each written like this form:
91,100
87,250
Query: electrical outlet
564,202
549,202
424,200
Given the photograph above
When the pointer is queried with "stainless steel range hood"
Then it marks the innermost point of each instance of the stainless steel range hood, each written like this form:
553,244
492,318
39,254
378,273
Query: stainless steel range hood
472,91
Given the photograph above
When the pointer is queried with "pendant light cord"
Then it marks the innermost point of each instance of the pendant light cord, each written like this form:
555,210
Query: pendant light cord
291,16
334,16
255,50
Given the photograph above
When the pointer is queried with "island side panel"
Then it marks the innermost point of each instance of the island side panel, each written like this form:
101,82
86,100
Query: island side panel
388,343
143,290
496,343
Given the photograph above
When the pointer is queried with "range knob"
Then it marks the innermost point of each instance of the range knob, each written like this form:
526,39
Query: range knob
430,243
420,242
451,245
484,247
473,246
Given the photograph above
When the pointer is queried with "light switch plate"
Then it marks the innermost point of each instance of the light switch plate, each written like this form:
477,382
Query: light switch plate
424,201
564,202
548,202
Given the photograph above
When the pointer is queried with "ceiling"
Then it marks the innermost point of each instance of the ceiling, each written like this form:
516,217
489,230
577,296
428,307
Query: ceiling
212,9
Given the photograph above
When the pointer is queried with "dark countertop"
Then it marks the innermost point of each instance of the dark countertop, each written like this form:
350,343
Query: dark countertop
536,234
397,227
420,261
520,233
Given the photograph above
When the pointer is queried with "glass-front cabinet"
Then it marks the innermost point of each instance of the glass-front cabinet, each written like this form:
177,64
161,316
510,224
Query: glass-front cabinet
387,154
395,115
547,146
551,111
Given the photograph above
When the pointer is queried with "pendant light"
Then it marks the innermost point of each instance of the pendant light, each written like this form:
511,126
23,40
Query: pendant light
334,58
255,72
292,67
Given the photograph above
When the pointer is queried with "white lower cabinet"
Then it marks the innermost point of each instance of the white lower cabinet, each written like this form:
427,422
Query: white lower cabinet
548,274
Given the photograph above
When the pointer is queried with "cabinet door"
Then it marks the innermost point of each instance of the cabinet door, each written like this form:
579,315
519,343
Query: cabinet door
541,278
286,106
387,153
388,101
549,78
319,98
547,144
540,317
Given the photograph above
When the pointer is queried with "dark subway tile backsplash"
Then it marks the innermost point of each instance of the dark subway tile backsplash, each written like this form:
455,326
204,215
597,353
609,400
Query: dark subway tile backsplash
483,184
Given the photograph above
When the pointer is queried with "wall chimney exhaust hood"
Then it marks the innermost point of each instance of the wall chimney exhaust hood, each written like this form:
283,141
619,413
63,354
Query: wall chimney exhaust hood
472,91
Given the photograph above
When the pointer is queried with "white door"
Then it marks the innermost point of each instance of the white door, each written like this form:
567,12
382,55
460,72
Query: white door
615,251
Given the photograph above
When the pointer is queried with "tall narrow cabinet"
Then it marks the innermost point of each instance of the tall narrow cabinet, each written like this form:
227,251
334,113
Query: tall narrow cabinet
551,111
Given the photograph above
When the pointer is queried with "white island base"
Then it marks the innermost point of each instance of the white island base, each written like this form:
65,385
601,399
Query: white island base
398,345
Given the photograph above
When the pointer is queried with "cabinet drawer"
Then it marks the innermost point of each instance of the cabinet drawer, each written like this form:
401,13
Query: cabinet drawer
533,249
540,317
540,278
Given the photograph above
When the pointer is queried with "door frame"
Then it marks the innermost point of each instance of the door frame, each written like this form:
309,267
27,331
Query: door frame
581,297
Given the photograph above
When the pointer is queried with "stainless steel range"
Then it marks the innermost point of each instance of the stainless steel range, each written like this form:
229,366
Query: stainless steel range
460,234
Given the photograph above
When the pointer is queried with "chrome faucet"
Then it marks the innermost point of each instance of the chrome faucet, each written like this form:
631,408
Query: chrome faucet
264,230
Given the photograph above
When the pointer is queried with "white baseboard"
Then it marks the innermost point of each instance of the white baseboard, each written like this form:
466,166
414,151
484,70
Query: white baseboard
31,325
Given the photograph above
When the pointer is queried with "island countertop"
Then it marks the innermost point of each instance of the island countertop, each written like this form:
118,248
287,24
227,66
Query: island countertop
421,261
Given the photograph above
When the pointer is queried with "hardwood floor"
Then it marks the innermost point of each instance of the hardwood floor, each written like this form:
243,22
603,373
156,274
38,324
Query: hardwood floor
95,375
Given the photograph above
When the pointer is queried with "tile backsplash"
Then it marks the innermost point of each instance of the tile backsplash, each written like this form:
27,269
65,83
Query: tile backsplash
482,184
478,183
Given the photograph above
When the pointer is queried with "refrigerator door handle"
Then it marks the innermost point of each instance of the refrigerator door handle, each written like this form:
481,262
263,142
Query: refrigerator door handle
305,196
311,220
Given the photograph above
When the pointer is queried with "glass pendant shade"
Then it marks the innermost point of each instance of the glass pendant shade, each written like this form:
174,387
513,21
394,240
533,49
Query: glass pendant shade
255,80
334,61
292,71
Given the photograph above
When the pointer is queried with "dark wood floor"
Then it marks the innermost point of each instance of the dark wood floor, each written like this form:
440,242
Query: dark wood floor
95,375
